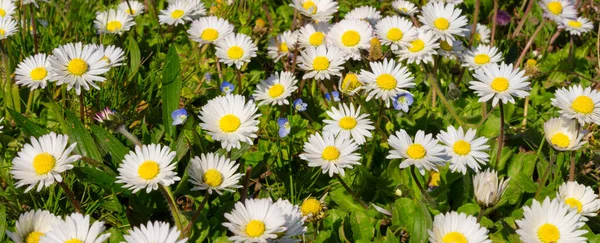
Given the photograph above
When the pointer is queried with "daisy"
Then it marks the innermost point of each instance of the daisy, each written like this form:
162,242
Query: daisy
351,36
154,232
421,49
7,9
230,120
318,10
347,122
405,7
482,34
387,80
313,208
577,26
482,55
197,7
34,72
350,84
321,62
331,153
500,82
256,220
76,228
283,46
113,22
444,20
78,66
130,7
556,10
563,134
313,34
210,29
214,172
580,197
112,55
178,12
42,160
395,31
276,89
424,153
294,221
457,227
451,50
465,149
146,167
367,13
576,102
236,49
8,27
488,190
31,226
551,221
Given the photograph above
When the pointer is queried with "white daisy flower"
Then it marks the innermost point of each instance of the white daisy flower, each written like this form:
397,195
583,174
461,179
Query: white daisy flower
42,160
387,80
197,6
465,149
457,227
421,49
313,34
556,10
32,1
480,56
321,62
444,20
210,29
236,49
551,221
154,232
146,167
577,26
488,190
112,55
405,7
7,9
347,122
563,134
34,72
31,226
130,7
294,221
76,228
500,82
350,84
276,89
424,153
8,27
395,31
256,220
482,34
580,197
230,120
214,172
284,46
331,153
318,10
351,36
78,66
451,51
446,1
178,12
578,103
366,13
113,22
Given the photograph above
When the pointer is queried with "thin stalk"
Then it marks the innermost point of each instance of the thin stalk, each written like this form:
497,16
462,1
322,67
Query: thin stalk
542,180
34,28
480,215
70,196
523,19
494,16
529,43
475,19
196,214
525,111
30,100
239,78
81,107
219,72
434,85
246,184
349,190
166,192
121,129
421,188
572,168
501,137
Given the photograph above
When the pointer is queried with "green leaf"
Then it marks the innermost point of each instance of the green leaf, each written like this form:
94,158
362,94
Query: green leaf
2,222
27,125
524,182
134,54
99,178
414,217
469,208
78,133
110,143
345,200
363,226
323,236
171,89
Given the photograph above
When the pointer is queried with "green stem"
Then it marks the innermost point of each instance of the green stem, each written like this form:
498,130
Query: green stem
70,196
246,184
351,192
433,83
121,129
196,214
480,215
542,180
501,137
572,167
172,205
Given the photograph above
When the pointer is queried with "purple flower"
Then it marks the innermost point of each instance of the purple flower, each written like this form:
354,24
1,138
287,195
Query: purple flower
503,18
179,116
335,94
403,101
227,87
299,105
284,127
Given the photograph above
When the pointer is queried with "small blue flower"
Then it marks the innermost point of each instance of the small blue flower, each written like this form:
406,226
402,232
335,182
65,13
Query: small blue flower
207,77
179,116
299,105
336,96
403,101
284,127
227,87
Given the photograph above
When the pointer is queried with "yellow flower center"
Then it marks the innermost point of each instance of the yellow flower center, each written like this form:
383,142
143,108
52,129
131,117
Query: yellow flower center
177,14
386,81
404,10
311,206
34,237
321,63
114,25
548,233
212,178
316,39
555,7
310,4
499,84
574,23
477,37
350,82
482,59
583,104
43,163
441,23
276,90
330,153
531,62
2,12
417,45
210,34
73,241
560,140
445,46
255,228
350,38
235,52
461,147
38,73
148,170
130,11
348,122
574,203
454,237
77,66
416,151
283,47
394,34
106,59
229,123
434,179
2,32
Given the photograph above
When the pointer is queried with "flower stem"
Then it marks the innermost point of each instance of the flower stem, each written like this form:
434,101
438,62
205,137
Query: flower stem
542,180
523,19
494,16
70,196
196,214
351,192
246,184
501,137
172,205
529,43
121,129
416,179
572,168
434,85
81,107
480,215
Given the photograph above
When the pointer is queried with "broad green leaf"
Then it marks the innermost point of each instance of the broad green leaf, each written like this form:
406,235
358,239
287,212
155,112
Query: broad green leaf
29,127
324,236
78,133
524,182
171,89
413,216
2,221
469,208
341,197
134,54
110,143
363,226
99,178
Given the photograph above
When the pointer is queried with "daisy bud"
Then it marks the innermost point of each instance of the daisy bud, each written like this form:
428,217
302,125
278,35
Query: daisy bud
110,118
488,190
375,52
